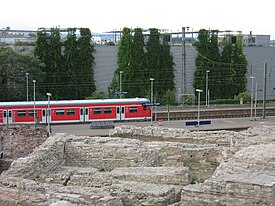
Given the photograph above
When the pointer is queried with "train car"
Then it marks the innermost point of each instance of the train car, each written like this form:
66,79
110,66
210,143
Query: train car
74,111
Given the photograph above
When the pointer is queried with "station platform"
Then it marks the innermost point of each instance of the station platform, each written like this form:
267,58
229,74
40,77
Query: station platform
235,124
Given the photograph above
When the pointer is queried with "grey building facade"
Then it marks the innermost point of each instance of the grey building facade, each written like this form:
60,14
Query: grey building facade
106,63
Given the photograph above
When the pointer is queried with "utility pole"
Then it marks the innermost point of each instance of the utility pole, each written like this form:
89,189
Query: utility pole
183,90
264,92
207,90
27,84
251,102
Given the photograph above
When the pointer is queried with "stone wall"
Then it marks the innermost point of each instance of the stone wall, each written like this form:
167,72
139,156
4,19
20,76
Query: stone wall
19,141
78,164
150,167
246,179
109,153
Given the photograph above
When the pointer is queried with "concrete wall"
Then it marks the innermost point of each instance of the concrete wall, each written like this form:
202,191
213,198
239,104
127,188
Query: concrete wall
106,63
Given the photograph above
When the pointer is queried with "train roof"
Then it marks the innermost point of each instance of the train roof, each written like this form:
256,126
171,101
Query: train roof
75,102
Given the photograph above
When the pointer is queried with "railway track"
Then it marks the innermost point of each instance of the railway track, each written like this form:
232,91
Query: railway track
212,113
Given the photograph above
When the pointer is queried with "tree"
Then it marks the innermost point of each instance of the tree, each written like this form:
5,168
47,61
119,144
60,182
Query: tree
85,72
139,62
13,69
227,70
153,61
167,69
214,66
137,85
124,63
70,85
68,74
54,64
202,60
240,63
42,50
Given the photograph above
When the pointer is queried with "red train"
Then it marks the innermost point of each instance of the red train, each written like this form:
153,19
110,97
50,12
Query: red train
74,111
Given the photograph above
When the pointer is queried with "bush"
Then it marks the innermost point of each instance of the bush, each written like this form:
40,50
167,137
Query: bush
245,95
97,95
225,101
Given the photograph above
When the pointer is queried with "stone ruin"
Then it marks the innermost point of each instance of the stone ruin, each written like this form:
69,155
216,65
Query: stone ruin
146,166
18,141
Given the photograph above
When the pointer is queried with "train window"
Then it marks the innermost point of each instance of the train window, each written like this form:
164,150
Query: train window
59,112
133,109
108,110
21,113
144,108
31,112
97,110
70,112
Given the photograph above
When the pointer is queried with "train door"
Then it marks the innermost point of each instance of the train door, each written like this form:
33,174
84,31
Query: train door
44,115
10,117
84,114
7,117
120,113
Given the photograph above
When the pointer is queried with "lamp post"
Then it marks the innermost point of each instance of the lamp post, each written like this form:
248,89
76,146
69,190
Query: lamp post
207,91
256,99
34,109
251,113
183,61
199,97
152,99
120,83
48,113
27,85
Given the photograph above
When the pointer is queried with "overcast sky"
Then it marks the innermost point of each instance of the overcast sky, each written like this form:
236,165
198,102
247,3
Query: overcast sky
107,15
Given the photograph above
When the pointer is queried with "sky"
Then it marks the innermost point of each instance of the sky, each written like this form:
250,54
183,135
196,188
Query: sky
109,15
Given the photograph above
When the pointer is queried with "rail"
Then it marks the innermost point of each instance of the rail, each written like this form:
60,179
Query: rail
212,113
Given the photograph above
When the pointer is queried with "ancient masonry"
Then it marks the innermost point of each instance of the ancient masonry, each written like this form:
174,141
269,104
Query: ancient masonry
146,166
19,141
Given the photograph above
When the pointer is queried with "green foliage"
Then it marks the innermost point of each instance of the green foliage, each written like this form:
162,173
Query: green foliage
70,88
69,63
169,97
85,71
124,63
225,101
227,69
137,87
13,69
22,43
97,95
159,63
246,96
139,62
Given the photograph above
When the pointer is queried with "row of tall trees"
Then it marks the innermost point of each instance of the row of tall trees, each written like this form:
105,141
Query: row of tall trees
225,62
68,71
140,58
